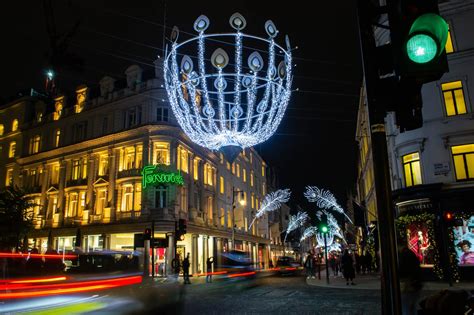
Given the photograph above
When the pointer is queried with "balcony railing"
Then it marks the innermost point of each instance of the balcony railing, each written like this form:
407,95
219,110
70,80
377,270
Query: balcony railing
77,182
129,215
133,172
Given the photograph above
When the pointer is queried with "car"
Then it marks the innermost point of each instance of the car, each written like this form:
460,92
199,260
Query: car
235,264
287,265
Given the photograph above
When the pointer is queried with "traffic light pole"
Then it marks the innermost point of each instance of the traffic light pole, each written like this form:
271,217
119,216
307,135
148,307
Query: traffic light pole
390,285
326,257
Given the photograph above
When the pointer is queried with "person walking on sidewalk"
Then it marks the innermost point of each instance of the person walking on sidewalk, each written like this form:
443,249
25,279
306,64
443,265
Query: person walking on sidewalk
308,264
333,263
209,263
186,265
410,280
348,267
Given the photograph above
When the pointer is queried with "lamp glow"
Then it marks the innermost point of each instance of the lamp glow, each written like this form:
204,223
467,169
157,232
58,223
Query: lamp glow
421,48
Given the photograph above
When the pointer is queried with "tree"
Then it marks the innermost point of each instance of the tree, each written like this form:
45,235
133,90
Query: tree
16,217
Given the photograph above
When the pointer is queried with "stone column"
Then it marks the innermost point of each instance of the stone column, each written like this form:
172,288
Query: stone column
90,182
205,252
194,253
169,254
44,188
113,159
61,185
145,161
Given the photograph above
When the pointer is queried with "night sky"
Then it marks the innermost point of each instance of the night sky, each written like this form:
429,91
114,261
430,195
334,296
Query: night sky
315,142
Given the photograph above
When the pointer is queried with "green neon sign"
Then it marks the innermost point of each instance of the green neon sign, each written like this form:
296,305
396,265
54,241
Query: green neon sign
154,175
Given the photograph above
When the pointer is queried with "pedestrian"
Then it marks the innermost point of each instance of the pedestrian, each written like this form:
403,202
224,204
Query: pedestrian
209,263
333,264
186,265
410,280
368,261
308,264
348,267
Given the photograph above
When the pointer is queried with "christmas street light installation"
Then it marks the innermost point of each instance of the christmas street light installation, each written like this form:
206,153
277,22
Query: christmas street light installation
232,106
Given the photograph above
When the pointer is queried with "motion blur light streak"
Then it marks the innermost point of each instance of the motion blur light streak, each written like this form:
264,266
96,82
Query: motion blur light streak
73,287
245,274
37,280
21,255
210,273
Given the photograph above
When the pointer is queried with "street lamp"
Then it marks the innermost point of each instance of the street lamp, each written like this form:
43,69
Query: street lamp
242,203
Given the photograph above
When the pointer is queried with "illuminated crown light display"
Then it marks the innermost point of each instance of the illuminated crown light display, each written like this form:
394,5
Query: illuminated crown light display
226,106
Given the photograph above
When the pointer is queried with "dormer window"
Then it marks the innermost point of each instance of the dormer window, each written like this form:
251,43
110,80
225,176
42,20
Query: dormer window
58,106
15,125
134,76
39,117
81,95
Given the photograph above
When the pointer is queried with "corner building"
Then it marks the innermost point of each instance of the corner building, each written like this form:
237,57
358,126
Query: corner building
82,158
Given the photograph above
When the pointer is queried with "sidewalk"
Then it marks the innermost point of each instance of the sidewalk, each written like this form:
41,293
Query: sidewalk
372,282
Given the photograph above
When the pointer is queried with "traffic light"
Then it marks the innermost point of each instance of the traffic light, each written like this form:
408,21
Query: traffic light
323,224
419,37
181,229
147,234
451,220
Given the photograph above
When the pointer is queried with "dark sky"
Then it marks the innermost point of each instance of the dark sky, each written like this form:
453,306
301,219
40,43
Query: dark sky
315,142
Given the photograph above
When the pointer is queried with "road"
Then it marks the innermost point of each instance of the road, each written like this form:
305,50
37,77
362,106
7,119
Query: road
272,294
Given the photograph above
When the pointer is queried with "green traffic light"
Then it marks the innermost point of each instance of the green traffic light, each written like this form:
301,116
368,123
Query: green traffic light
427,38
421,48
324,229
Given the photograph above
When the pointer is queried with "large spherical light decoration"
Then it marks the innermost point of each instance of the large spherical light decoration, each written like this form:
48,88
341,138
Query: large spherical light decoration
229,97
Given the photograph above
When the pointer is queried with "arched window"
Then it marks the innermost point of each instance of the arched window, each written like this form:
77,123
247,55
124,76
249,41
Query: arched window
2,129
15,125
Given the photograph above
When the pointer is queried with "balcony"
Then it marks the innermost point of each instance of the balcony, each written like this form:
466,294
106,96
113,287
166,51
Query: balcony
128,216
134,172
76,182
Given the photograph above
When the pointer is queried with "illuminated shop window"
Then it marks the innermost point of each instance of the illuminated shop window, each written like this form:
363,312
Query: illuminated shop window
412,169
419,243
463,156
454,98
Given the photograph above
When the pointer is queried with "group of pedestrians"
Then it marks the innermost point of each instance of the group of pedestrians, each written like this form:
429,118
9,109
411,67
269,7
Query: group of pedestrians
186,264
348,263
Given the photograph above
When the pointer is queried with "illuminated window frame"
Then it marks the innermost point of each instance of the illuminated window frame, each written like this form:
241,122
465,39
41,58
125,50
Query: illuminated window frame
12,149
454,100
463,161
411,166
449,47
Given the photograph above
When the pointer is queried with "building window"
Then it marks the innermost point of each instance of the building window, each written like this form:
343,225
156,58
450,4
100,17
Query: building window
15,125
463,156
252,201
183,160
103,165
208,175
54,174
132,159
412,169
251,178
221,158
133,117
222,217
12,149
162,114
58,106
210,209
184,199
264,189
2,129
228,165
138,197
79,131
35,144
9,177
196,168
263,170
161,153
454,98
127,198
53,203
449,43
238,170
57,136
76,169
73,203
81,95
160,197
222,185
39,117
101,201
